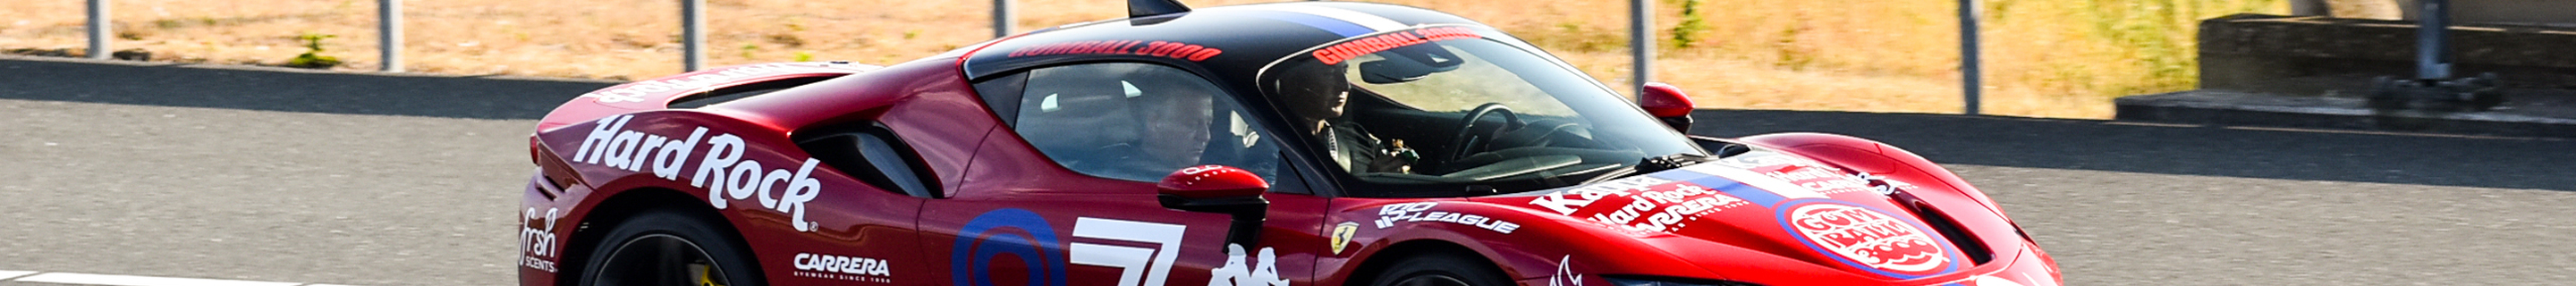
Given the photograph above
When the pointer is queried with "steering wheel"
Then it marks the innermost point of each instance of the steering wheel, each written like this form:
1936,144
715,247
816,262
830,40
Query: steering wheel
1461,144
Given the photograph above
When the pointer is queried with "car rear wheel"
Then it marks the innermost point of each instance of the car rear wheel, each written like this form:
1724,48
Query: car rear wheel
1440,270
669,248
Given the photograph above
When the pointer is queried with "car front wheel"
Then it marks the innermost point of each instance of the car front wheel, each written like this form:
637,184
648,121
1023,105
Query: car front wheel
669,248
1440,270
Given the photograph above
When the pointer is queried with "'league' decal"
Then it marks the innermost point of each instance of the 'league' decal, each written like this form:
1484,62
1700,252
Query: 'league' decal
1416,212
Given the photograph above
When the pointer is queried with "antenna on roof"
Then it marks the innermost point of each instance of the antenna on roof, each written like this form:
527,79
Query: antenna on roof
1143,8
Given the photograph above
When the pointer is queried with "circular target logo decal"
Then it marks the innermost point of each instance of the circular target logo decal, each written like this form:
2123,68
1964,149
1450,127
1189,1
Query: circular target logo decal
1869,239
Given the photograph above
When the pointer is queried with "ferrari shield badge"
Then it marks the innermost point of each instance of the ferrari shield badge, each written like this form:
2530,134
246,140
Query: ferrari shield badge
1342,235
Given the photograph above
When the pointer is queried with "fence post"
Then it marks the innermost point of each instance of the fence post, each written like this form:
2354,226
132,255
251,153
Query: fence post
1641,46
2432,40
2310,8
98,30
389,33
1971,82
693,36
1002,18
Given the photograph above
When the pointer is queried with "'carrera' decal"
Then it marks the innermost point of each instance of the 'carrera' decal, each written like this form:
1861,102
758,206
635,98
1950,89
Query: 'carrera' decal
1867,238
837,267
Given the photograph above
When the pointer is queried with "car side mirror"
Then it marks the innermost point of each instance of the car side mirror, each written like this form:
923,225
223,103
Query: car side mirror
1219,189
1667,103
1211,183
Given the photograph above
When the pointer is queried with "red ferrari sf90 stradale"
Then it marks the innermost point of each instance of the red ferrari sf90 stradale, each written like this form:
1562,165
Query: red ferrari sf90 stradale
1307,143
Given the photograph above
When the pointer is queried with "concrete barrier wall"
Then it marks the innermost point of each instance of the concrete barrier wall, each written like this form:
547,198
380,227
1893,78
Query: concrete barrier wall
2310,55
2545,12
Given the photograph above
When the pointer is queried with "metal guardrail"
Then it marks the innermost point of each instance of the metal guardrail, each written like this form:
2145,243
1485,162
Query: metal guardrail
1641,38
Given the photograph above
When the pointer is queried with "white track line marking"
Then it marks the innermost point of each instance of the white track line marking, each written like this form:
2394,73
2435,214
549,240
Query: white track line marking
124,280
5,274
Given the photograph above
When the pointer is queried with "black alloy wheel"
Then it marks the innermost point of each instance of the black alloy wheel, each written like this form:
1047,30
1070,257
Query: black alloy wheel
1440,269
668,248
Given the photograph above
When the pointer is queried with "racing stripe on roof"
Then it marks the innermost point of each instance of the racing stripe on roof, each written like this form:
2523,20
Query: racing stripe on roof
1339,21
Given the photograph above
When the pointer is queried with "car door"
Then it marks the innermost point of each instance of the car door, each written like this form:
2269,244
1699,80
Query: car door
1065,194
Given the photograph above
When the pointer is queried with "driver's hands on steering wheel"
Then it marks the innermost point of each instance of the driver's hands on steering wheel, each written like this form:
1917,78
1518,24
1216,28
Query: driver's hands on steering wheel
1396,159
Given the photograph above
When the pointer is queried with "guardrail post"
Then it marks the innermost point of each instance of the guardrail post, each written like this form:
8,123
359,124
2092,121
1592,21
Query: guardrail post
1002,18
1971,82
1641,46
2432,40
2310,8
98,30
389,33
693,37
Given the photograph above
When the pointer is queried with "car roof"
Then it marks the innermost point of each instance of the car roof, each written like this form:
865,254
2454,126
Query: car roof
1229,44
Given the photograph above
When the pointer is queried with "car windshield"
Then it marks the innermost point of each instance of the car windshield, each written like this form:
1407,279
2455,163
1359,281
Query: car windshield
1458,110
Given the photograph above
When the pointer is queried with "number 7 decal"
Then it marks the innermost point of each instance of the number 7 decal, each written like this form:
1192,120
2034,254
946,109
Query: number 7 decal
1135,262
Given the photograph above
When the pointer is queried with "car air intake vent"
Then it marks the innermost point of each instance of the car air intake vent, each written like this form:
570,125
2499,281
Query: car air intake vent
1969,246
731,93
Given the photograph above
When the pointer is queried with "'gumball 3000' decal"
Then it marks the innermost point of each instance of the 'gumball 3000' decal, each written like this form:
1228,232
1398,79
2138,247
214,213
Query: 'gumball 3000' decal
1868,238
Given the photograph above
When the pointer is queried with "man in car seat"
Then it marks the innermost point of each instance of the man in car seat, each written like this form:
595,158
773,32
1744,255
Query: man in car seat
1317,97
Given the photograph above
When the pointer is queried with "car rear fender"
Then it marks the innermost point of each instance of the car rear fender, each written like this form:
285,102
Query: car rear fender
710,84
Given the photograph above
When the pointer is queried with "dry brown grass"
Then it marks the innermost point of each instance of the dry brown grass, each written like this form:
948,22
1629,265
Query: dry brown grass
2049,58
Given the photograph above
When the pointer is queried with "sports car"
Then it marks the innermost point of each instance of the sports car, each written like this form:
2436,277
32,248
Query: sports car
1303,143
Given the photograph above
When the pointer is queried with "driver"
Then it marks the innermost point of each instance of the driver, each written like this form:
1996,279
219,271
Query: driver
1317,97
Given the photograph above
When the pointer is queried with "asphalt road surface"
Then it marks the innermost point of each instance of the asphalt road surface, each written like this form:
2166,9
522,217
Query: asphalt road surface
368,179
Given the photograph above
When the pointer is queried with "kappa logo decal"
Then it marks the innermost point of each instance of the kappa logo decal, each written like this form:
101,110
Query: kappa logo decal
1868,238
1240,272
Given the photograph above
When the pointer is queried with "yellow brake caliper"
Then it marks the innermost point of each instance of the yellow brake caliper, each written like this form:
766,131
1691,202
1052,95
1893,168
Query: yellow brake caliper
705,278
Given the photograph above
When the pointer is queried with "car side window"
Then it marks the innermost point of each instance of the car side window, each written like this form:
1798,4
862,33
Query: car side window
1138,122
873,154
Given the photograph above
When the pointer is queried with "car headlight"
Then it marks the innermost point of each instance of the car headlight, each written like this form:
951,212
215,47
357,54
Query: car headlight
1663,281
